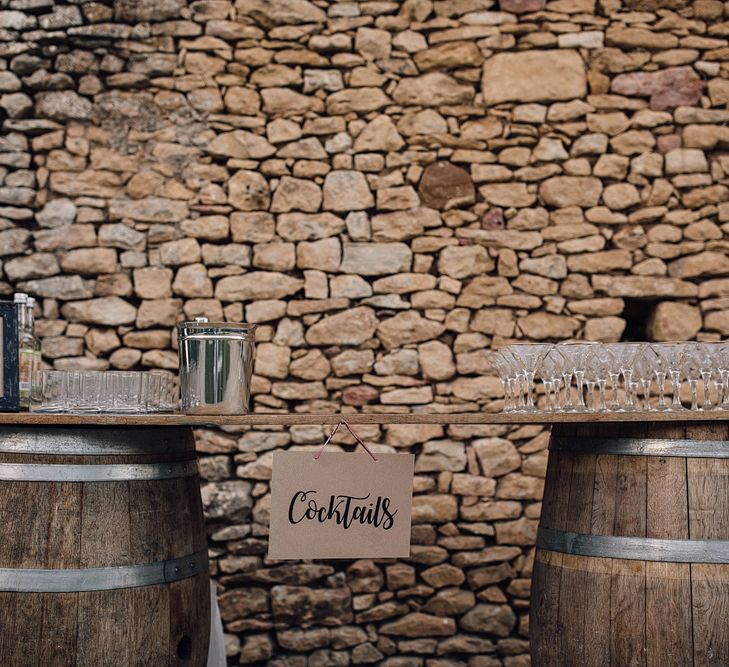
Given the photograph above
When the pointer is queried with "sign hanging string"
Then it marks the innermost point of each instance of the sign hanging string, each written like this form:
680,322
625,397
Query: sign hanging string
354,435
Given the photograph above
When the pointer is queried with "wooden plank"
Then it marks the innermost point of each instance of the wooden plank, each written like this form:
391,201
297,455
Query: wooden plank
627,589
710,604
708,500
190,620
627,614
544,625
286,419
104,628
669,626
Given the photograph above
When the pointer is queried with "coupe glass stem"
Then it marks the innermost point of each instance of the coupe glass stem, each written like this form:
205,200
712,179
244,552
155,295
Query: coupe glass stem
529,379
520,389
661,382
579,381
631,390
557,384
706,379
694,394
601,386
676,388
719,394
646,393
567,377
590,395
547,395
614,381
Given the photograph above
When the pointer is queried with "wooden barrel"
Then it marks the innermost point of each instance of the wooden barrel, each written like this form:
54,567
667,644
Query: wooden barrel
632,561
103,555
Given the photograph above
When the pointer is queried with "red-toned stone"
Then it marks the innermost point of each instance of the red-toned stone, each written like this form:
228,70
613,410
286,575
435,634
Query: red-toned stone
493,218
359,395
667,88
667,142
521,6
444,185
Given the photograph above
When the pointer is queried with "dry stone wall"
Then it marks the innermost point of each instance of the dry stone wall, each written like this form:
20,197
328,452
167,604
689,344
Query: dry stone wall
388,189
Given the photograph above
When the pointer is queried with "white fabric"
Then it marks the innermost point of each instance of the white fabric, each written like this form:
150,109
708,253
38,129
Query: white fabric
216,654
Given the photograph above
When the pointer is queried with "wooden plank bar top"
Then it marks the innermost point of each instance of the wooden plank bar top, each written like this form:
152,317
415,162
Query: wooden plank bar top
285,419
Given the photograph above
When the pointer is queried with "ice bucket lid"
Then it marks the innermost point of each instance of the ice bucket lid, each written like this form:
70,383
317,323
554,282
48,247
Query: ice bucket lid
201,329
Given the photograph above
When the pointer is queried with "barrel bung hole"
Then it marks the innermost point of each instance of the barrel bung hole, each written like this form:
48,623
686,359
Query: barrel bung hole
184,648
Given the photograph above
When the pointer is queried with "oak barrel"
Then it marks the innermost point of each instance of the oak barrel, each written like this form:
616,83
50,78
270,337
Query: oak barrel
632,560
103,554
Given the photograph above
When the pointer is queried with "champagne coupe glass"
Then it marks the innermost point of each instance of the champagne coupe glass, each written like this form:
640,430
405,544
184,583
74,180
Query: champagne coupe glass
721,355
623,357
505,365
644,367
577,357
714,372
528,357
612,362
691,369
661,367
598,368
550,373
670,357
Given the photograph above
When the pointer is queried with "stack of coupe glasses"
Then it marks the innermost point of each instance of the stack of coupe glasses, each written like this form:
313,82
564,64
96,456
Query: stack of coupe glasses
597,377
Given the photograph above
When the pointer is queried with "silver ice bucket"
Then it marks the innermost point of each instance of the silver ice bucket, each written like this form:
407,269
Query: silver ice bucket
216,364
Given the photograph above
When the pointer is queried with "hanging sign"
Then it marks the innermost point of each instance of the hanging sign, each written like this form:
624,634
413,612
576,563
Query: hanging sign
340,505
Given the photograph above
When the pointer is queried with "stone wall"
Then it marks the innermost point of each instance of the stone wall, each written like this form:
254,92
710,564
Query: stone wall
388,189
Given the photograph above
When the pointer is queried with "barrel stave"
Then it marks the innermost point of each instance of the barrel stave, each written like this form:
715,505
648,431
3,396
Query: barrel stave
67,525
634,612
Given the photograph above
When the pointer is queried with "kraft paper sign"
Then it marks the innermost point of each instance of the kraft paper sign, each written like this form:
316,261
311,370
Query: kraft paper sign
342,505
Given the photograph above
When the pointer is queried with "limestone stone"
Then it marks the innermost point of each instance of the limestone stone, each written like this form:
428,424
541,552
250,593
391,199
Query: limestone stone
380,134
686,161
281,11
148,209
56,213
562,191
673,321
257,285
491,619
183,251
433,89
296,194
361,100
89,261
372,259
407,327
193,281
240,144
497,456
38,265
541,326
418,624
702,264
324,255
643,286
352,327
346,191
464,261
108,311
436,360
444,186
287,102
523,77
248,191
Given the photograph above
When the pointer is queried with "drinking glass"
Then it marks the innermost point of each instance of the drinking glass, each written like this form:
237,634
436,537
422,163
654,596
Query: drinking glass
528,357
597,374
576,358
622,359
550,373
644,367
691,366
48,391
505,364
670,357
